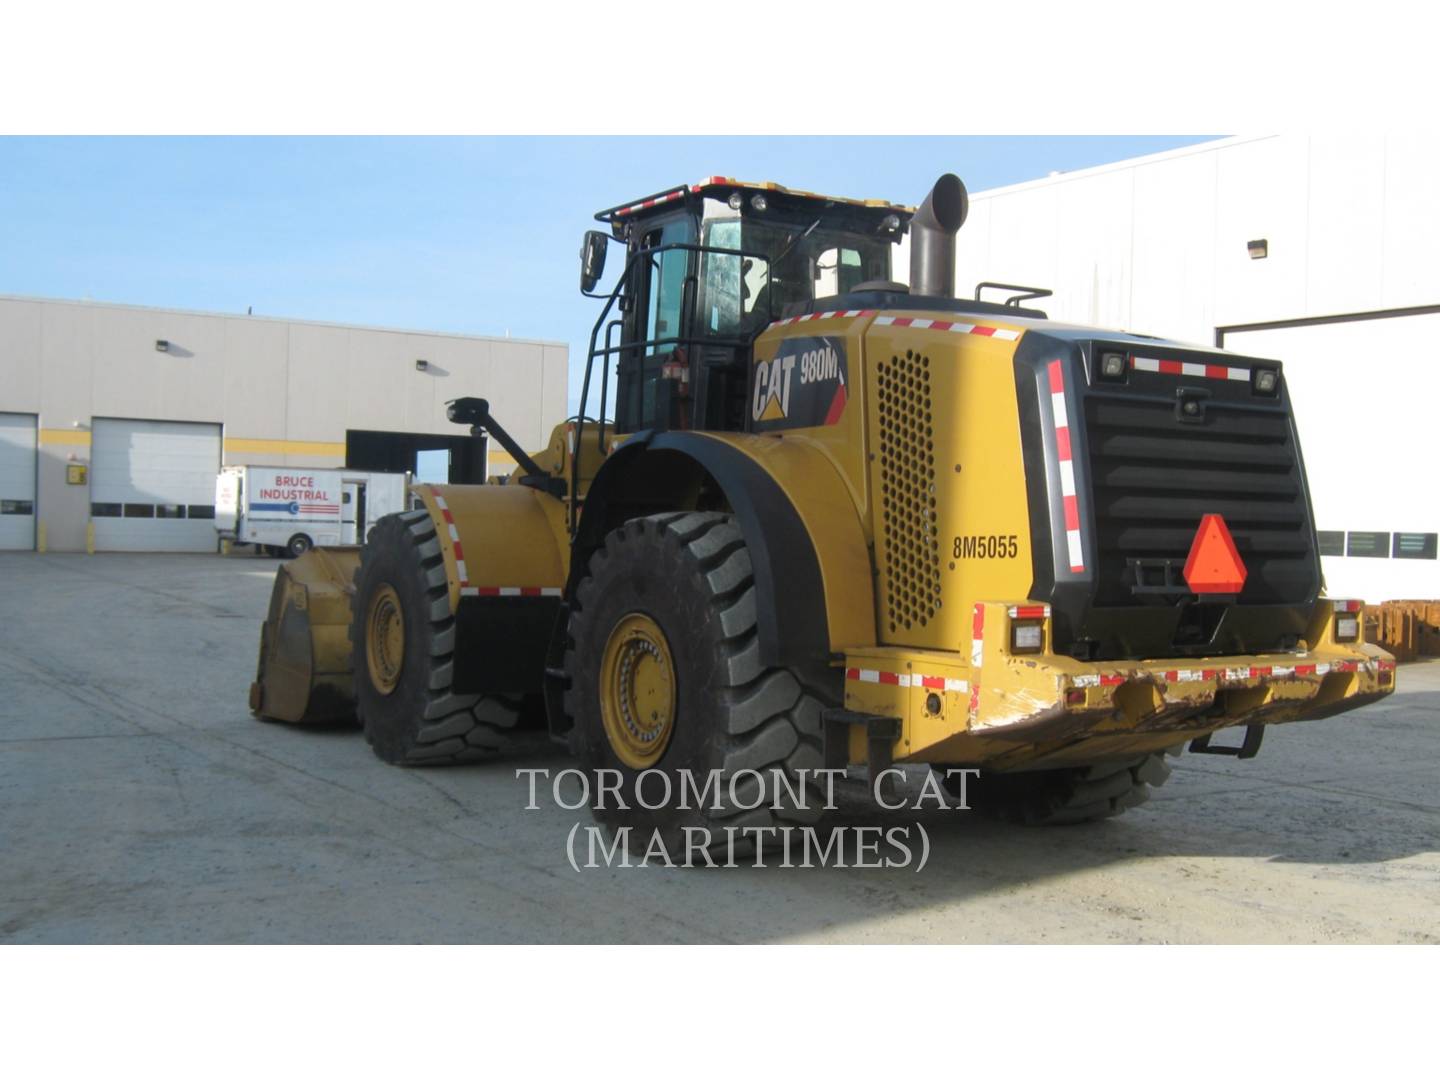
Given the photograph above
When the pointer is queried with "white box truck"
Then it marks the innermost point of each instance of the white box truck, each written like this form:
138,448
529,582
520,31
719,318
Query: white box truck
289,510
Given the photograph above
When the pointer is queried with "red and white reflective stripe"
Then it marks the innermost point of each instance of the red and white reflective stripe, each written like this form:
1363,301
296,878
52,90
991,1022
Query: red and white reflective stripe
941,682
444,509
884,678
1235,674
679,193
1030,611
997,332
821,315
890,678
1348,606
1186,367
977,655
1068,498
510,590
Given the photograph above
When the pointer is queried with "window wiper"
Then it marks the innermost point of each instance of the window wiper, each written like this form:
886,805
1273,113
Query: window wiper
791,246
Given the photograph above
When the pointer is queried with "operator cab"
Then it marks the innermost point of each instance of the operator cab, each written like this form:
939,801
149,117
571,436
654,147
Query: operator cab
708,267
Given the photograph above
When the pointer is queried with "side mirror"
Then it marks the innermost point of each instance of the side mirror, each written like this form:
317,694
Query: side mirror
592,259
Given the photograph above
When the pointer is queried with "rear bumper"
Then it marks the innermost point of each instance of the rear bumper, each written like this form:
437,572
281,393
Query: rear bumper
1011,711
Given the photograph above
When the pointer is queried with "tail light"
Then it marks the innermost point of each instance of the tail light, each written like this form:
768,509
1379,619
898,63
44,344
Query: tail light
1347,620
1027,628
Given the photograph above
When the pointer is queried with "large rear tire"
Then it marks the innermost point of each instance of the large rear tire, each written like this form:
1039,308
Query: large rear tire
665,676
1063,796
403,647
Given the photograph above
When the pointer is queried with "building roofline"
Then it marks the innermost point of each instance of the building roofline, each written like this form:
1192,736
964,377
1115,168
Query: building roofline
190,312
1115,166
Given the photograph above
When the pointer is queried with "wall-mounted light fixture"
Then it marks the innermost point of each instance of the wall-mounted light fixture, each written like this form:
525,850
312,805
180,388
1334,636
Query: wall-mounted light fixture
1258,249
422,365
161,345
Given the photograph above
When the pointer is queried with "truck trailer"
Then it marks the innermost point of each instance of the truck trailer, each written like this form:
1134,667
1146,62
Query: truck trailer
289,510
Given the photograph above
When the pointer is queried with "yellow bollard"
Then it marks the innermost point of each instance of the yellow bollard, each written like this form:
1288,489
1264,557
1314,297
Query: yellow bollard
90,538
40,537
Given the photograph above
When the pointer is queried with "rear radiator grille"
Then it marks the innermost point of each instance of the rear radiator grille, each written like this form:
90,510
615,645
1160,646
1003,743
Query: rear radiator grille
907,491
1152,479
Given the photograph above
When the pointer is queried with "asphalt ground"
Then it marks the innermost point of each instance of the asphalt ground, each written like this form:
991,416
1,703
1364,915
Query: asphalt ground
140,802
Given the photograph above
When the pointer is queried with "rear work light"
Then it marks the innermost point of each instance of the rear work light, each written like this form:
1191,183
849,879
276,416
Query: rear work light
1112,366
1267,380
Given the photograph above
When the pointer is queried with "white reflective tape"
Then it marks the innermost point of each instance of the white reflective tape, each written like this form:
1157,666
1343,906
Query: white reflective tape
1282,671
869,676
1006,335
454,532
1086,680
551,592
1237,673
1067,478
1142,363
1322,669
1057,409
1072,541
1197,370
1238,374
469,590
1189,676
460,570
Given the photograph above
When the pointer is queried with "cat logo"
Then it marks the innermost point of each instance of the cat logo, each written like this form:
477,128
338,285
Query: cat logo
803,386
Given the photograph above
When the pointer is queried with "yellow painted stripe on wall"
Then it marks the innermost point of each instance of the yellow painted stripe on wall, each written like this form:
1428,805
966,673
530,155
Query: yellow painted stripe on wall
284,446
64,437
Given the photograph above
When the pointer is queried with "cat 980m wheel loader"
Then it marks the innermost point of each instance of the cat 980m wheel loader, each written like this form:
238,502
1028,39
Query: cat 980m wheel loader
838,521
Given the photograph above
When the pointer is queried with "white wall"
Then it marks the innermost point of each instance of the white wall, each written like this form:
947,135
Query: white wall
285,392
1157,245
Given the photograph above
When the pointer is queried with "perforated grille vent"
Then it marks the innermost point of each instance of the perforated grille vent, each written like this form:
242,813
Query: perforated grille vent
907,491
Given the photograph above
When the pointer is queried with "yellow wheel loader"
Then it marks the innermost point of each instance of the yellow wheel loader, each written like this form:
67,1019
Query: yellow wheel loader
839,521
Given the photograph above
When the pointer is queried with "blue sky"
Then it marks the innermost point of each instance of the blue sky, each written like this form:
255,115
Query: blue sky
472,235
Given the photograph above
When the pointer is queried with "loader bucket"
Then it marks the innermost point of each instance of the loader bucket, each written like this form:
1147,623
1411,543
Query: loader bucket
304,672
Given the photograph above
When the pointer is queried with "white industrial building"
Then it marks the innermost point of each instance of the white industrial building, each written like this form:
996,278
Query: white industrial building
1316,250
115,420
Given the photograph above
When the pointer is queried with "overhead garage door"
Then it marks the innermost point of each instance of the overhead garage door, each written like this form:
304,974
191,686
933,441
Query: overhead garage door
17,482
152,485
1365,413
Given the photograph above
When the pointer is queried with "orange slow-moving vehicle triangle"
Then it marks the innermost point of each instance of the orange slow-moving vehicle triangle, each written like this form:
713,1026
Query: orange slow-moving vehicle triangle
1214,566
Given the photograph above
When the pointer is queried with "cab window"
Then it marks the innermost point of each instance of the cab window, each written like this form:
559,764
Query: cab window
665,285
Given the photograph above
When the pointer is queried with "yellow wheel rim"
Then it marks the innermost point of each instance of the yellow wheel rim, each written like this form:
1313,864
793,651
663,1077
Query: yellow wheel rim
637,691
385,639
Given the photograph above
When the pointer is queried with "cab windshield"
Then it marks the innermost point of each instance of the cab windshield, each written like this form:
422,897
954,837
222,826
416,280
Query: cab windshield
739,294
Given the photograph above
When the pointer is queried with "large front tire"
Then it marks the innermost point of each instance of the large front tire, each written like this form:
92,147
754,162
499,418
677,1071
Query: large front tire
403,647
664,671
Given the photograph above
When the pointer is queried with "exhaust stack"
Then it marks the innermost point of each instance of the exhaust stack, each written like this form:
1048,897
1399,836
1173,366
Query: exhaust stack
932,238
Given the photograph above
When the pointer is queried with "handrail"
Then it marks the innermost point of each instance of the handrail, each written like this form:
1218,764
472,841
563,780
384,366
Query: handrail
648,254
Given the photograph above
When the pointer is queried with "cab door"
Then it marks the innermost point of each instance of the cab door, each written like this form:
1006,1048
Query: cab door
654,367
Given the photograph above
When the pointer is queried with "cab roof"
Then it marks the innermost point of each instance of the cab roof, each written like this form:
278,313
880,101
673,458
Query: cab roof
720,186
